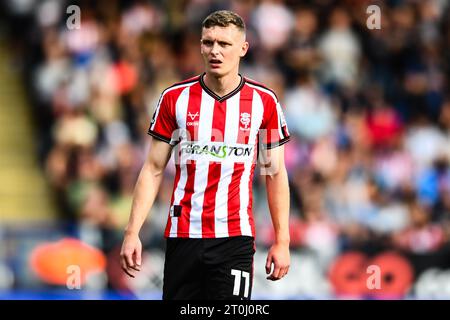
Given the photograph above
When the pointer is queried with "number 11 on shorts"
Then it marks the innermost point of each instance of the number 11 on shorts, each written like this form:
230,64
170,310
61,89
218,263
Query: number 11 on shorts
238,274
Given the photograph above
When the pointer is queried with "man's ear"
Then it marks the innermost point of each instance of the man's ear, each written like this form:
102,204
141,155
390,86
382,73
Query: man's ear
244,49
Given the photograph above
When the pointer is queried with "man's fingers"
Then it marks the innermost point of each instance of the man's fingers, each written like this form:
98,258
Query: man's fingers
129,260
284,272
268,264
271,277
278,273
123,262
128,272
134,268
125,267
128,265
275,274
130,256
138,257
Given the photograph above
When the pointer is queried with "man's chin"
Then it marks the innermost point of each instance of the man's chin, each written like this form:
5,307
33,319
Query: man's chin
217,72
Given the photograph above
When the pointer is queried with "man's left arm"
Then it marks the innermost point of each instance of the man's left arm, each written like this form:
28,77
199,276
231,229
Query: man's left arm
277,188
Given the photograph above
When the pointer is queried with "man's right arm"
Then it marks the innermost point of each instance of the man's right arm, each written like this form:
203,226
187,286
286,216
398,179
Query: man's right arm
144,195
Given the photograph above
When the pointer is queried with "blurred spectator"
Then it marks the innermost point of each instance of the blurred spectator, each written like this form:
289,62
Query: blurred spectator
421,236
273,22
341,51
308,111
425,142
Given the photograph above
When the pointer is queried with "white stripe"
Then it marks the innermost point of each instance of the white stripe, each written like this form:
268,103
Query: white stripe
244,200
257,115
162,97
173,227
178,195
181,109
157,113
279,119
201,167
227,169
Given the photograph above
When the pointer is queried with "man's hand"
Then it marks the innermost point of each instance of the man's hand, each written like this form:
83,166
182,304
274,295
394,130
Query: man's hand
279,256
130,254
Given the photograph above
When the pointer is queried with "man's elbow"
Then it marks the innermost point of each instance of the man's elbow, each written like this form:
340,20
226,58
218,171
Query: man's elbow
278,173
154,169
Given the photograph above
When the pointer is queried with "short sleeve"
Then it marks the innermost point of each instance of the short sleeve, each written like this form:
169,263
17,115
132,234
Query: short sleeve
274,131
163,123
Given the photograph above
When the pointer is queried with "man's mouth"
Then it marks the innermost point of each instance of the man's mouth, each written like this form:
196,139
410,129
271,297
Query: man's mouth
215,63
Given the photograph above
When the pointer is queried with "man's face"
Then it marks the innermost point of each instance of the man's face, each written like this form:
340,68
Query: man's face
222,48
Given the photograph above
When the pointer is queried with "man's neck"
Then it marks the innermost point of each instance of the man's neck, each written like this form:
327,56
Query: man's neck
223,85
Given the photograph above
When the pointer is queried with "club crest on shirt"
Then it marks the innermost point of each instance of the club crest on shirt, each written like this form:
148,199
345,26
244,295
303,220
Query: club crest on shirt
245,121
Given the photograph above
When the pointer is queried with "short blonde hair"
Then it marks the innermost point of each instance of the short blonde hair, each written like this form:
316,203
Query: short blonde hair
223,18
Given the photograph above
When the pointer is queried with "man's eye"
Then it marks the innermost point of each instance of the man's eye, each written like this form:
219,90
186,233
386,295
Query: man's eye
207,42
224,44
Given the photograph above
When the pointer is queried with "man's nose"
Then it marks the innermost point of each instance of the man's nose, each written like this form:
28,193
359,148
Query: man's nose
215,48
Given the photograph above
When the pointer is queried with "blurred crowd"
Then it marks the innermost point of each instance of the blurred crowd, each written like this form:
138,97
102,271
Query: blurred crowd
368,111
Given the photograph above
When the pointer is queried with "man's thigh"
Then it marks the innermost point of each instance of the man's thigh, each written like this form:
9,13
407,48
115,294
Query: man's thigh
183,271
229,269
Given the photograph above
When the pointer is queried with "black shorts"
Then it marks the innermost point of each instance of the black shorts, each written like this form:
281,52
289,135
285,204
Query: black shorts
209,269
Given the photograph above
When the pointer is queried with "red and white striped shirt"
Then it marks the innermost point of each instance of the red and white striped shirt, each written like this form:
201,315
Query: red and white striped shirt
217,145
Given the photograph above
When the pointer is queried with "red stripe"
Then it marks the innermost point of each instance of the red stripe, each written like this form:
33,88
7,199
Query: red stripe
175,183
258,84
168,226
183,220
214,170
245,107
234,201
193,111
209,200
192,79
194,103
218,123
